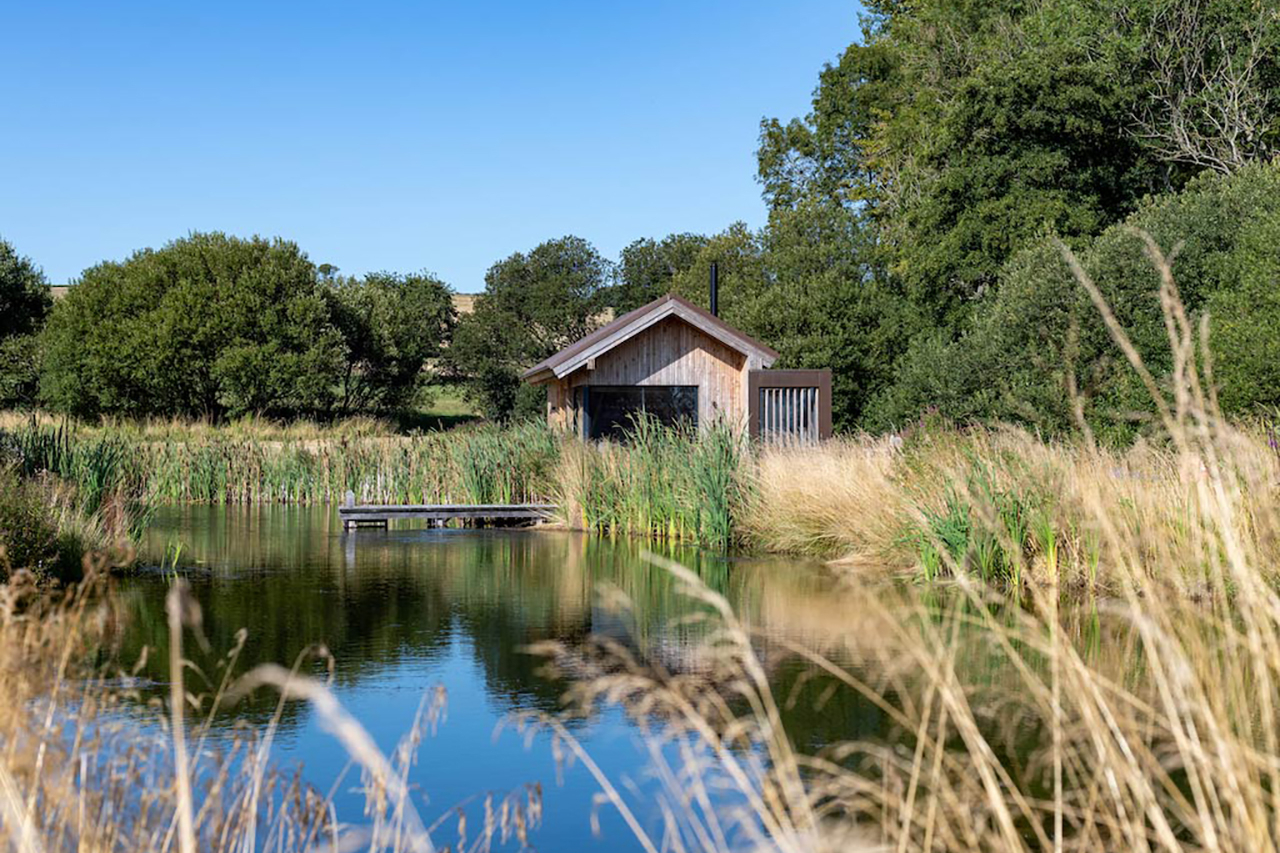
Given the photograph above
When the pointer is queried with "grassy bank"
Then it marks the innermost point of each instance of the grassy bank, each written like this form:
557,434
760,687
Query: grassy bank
47,528
999,504
1007,507
49,523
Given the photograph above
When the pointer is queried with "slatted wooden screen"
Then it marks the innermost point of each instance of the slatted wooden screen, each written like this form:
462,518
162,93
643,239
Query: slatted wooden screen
790,406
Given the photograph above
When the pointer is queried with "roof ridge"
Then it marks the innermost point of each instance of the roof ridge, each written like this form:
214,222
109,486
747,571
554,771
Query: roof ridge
739,340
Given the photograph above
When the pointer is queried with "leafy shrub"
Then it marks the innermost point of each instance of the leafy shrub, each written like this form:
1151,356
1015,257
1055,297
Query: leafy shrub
19,371
29,534
1245,321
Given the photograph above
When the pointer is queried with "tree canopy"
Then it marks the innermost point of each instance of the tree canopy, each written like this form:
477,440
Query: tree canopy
206,326
391,327
533,305
24,303
962,140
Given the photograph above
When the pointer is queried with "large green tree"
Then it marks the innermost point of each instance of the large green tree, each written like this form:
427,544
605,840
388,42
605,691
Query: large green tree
208,325
24,304
648,269
824,303
533,305
967,129
741,267
392,327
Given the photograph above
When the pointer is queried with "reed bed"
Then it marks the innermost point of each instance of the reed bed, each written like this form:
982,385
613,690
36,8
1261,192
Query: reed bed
186,429
467,465
666,484
671,484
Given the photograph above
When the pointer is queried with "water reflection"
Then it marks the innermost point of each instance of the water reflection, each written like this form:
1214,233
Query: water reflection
291,578
402,610
405,609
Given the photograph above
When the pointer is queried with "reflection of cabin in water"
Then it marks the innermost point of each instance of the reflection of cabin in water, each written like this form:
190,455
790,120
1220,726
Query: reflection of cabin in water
680,364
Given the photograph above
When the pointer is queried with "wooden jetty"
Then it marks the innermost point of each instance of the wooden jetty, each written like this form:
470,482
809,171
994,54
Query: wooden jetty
380,515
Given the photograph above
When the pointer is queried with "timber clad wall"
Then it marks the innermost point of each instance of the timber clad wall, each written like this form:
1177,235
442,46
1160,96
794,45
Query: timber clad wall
671,352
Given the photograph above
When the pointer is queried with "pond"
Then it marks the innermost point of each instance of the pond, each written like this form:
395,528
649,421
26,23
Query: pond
405,610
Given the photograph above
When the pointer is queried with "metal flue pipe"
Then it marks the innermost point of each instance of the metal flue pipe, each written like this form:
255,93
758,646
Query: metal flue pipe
715,289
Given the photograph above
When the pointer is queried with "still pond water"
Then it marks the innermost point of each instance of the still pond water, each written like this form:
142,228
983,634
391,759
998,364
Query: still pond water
405,610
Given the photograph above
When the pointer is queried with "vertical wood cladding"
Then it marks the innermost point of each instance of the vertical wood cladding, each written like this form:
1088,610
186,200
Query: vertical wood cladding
670,352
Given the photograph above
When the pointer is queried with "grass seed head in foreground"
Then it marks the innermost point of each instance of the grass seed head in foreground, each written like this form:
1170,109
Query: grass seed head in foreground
89,762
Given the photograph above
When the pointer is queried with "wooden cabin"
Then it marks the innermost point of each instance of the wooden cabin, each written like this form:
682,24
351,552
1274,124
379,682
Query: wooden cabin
680,364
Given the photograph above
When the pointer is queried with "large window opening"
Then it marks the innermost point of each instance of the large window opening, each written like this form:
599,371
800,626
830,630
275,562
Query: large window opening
610,411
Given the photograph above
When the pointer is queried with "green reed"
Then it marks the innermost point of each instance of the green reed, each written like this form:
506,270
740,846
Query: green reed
97,466
679,485
672,484
486,464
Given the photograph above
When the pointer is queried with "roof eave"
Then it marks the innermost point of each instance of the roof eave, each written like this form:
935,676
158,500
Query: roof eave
539,375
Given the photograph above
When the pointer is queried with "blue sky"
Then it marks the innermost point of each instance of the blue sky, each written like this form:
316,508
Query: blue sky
394,136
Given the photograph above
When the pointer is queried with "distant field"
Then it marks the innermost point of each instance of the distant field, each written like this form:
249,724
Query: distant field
444,408
448,402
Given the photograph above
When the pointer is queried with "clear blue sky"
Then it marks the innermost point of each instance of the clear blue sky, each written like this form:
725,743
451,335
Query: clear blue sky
393,136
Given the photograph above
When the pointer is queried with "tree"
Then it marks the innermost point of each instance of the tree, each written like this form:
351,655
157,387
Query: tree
960,136
824,304
1212,73
648,268
24,304
533,305
391,327
207,326
1038,353
743,273
24,294
1245,322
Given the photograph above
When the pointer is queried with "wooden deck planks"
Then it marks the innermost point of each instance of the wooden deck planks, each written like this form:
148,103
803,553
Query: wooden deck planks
353,515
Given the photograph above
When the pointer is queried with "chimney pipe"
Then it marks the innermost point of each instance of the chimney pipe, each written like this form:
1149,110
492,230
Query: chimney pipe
715,289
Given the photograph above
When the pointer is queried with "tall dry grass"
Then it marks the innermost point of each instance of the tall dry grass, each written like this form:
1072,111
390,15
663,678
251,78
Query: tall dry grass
946,501
1178,749
88,762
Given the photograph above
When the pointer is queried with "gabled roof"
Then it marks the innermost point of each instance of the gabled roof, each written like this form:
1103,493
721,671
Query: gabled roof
633,323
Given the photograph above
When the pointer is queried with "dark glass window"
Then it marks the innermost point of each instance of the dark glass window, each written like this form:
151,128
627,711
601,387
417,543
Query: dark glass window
611,410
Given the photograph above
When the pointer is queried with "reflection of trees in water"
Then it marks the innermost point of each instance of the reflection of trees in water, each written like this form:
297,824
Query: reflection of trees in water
399,599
